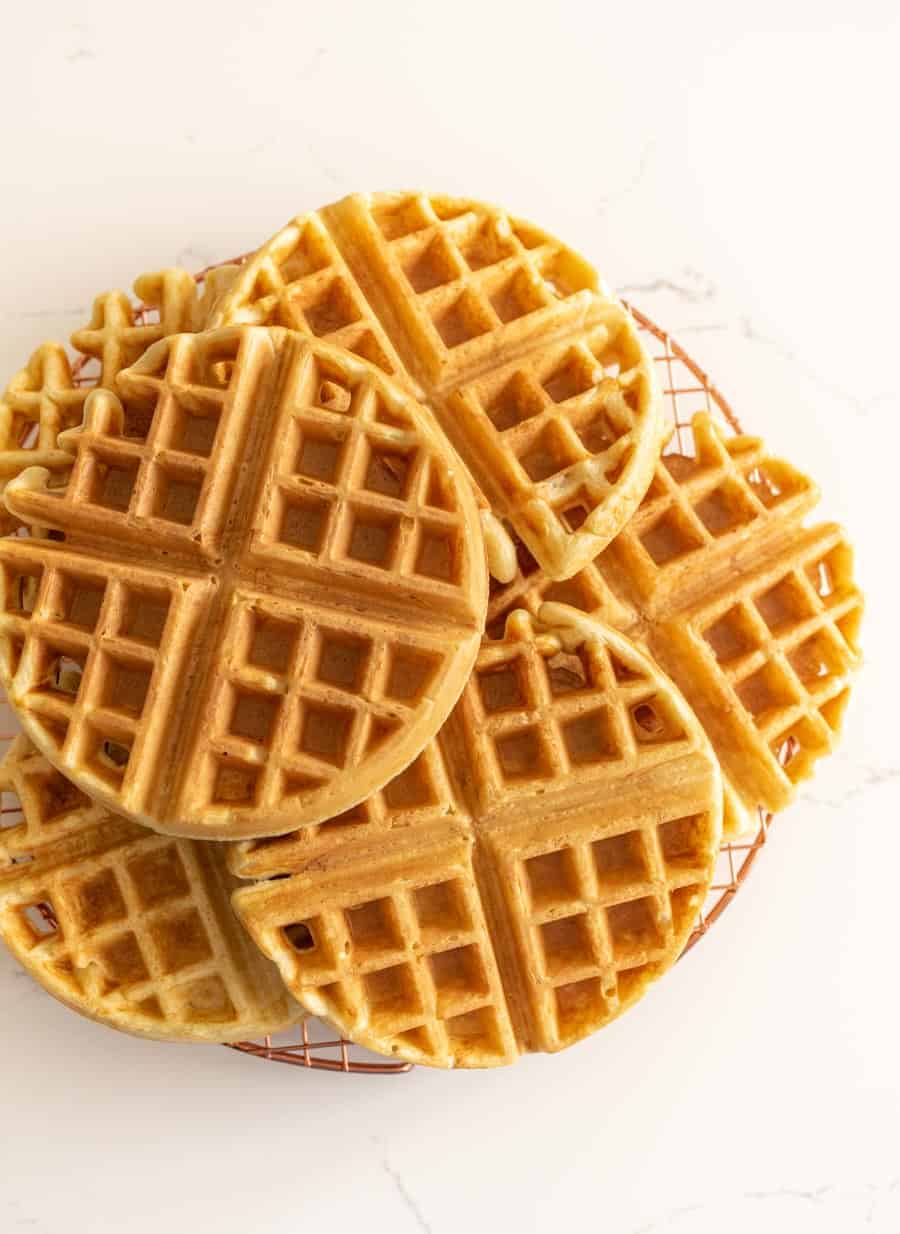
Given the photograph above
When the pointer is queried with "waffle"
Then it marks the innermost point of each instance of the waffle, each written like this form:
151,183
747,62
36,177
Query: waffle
270,592
129,928
752,614
45,398
525,880
536,373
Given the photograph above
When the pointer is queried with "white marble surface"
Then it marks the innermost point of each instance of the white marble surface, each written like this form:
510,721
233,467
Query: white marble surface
737,179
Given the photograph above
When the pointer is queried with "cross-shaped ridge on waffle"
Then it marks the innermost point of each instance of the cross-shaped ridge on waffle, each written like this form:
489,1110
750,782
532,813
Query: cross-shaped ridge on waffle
534,371
753,615
270,590
525,880
125,926
47,396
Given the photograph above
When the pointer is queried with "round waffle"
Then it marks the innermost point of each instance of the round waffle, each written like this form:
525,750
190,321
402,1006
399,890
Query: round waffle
525,880
535,372
263,593
132,929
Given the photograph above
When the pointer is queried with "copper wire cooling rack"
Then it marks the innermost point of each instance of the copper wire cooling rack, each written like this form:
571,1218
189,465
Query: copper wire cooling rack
686,389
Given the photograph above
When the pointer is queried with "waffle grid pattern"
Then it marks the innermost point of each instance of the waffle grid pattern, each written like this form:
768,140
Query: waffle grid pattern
82,642
687,389
304,284
116,335
119,922
420,796
359,489
147,462
401,544
299,701
715,497
598,913
531,718
565,445
472,270
607,720
41,807
47,397
796,648
559,430
770,662
157,956
411,964
700,504
39,403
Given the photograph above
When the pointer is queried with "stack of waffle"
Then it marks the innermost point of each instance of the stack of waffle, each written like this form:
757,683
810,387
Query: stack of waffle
380,653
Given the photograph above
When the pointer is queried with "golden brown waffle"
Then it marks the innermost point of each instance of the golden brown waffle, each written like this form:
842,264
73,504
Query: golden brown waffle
45,398
129,928
766,661
270,593
536,374
525,880
754,616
